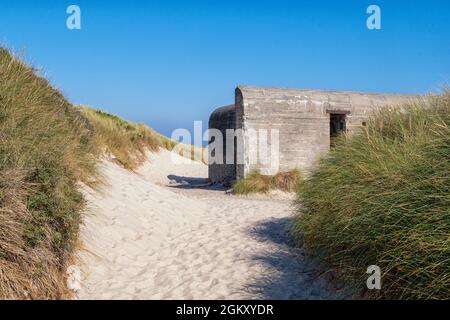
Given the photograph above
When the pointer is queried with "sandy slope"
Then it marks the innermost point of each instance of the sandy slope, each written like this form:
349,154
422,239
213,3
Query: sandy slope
149,238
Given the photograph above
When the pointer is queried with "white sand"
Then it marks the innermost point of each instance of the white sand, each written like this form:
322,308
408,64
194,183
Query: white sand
147,238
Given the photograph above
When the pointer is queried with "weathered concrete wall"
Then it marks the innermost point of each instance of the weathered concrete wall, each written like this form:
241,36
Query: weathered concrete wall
222,119
302,118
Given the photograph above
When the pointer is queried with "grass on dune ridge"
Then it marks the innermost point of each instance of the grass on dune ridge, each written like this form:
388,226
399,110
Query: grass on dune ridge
128,142
48,146
382,197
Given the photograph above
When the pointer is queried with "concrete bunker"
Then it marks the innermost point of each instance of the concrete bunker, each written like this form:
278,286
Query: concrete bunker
307,121
221,119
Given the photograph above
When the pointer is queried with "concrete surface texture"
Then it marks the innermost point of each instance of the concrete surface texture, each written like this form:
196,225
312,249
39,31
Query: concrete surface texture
301,123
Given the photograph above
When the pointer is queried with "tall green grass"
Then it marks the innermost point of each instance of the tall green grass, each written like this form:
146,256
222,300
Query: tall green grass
128,142
46,147
382,197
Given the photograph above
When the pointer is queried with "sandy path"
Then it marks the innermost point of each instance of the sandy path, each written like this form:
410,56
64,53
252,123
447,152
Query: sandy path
147,240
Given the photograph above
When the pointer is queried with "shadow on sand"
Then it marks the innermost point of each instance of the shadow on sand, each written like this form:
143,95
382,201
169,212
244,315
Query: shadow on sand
182,182
291,275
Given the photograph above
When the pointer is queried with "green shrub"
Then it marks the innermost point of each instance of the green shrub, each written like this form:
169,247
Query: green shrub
382,197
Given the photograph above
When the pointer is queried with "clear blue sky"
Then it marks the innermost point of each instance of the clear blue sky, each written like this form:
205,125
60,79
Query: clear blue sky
168,63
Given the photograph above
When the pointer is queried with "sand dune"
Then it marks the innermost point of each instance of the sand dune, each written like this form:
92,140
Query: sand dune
155,235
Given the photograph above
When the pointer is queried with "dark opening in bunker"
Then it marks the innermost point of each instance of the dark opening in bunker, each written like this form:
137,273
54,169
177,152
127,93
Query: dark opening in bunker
337,126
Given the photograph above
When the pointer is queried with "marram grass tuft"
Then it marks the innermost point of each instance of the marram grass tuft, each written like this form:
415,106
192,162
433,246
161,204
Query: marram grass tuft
259,183
382,197
46,147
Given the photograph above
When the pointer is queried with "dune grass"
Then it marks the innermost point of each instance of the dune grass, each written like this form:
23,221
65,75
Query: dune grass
46,147
258,183
128,142
382,197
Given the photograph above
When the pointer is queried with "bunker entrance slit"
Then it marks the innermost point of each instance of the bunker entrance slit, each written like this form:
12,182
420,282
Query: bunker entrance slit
338,126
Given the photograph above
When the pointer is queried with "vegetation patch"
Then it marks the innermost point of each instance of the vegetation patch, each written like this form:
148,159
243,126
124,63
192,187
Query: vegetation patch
255,182
382,197
46,147
128,142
